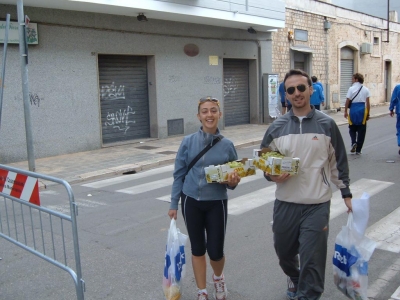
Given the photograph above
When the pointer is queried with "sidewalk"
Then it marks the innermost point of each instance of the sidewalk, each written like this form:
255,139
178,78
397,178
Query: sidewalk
139,156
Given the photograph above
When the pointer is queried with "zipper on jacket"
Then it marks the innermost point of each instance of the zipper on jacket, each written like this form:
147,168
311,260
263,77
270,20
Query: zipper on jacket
301,120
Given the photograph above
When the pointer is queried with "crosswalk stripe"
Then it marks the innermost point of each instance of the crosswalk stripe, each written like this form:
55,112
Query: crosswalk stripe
386,232
258,175
375,289
126,178
146,187
242,204
370,186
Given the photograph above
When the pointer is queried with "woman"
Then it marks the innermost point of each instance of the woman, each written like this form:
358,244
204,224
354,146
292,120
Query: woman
204,205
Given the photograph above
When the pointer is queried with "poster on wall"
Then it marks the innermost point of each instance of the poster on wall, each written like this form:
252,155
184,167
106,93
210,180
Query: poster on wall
273,107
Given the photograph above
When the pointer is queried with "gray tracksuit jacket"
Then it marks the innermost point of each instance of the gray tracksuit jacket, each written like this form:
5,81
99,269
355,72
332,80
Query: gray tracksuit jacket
316,140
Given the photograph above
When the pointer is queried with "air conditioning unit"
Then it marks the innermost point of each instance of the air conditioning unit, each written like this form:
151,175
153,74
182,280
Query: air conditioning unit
366,48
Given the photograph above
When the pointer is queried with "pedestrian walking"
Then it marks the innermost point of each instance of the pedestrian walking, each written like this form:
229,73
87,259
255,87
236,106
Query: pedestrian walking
282,97
315,80
395,105
204,205
302,204
358,103
317,97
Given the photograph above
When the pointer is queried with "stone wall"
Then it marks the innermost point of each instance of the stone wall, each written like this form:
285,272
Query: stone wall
347,29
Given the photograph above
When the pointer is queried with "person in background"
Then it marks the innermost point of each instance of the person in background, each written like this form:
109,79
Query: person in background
358,95
204,205
395,105
317,97
282,97
302,204
315,79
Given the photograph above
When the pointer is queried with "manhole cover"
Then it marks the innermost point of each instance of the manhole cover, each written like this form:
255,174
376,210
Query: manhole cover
147,147
167,152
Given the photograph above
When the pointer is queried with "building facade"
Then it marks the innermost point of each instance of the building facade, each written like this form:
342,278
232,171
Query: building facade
333,43
100,75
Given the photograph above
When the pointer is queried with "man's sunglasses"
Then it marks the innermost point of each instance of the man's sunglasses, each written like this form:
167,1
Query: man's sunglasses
300,88
209,98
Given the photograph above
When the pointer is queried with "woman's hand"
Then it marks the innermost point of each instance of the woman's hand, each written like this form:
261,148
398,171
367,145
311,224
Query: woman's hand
233,179
173,213
278,178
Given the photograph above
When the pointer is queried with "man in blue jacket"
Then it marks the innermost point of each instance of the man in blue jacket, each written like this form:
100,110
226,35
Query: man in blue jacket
317,97
395,104
286,106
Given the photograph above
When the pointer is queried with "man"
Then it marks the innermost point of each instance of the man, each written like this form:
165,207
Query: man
302,204
286,106
395,104
317,97
315,79
358,95
282,97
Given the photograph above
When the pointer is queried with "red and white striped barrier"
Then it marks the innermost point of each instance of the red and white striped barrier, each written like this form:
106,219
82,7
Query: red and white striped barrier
19,186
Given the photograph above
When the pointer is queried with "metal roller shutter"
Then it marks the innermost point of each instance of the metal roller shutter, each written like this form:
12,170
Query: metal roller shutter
299,65
236,92
346,73
124,98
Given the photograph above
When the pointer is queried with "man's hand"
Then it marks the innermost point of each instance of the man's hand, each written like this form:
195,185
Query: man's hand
391,113
278,178
347,201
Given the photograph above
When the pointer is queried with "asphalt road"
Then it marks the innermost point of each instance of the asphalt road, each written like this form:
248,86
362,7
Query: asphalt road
123,227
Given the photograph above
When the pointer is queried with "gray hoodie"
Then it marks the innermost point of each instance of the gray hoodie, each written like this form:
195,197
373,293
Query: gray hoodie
195,184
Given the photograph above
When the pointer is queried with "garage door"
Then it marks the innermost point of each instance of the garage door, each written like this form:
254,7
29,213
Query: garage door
124,100
236,92
346,73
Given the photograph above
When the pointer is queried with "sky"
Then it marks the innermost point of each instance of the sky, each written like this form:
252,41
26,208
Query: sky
376,8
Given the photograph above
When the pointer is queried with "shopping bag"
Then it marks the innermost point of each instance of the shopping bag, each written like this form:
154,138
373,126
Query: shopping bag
350,261
174,263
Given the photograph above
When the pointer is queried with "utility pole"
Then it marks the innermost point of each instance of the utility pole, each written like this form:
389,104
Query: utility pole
3,69
23,51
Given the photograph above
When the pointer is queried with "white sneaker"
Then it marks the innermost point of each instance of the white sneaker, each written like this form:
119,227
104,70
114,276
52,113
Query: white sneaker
202,296
221,292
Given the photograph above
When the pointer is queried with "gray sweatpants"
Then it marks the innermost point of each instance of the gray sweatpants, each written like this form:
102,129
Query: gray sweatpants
302,229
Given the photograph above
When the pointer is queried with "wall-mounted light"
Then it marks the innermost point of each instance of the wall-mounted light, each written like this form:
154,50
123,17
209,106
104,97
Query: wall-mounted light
142,18
251,30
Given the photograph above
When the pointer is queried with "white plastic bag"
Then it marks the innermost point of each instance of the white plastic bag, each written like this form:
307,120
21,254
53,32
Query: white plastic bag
350,261
174,263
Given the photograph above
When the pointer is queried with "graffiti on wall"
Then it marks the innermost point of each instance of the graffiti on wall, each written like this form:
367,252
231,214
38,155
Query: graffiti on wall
212,80
120,119
230,86
35,99
112,92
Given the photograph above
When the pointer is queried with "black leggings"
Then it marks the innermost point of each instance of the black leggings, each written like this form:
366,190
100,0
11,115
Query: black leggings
206,225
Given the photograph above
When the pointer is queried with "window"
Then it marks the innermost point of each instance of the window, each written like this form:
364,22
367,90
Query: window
376,40
301,35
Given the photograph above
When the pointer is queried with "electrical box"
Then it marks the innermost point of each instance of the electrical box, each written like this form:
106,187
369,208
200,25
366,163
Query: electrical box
366,48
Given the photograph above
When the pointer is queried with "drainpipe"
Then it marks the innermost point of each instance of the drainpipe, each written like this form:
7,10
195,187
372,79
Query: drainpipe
260,90
327,26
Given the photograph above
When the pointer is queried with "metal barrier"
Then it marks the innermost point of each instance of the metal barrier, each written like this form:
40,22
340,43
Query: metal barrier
37,229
